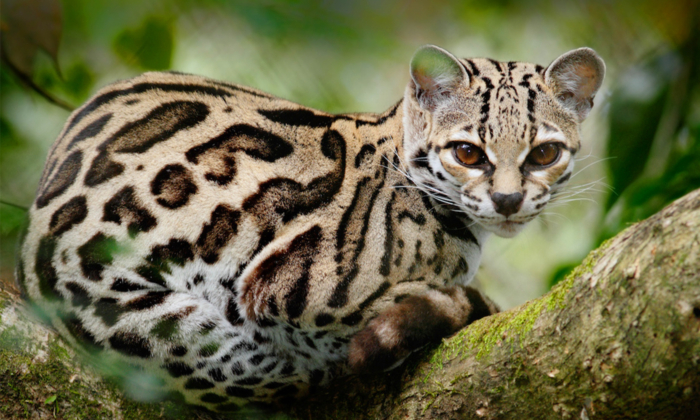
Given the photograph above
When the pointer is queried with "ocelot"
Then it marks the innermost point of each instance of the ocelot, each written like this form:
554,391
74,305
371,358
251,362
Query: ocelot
240,247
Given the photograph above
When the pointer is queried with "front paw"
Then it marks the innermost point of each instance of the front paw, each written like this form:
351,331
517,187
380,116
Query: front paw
413,323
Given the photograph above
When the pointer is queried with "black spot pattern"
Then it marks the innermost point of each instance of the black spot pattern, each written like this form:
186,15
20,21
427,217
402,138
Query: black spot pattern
232,313
77,329
81,297
299,117
290,266
217,375
365,154
213,398
95,254
159,125
108,310
380,120
178,369
148,300
44,268
324,319
385,268
218,154
130,344
198,383
125,207
91,130
217,233
351,235
63,178
173,186
108,97
176,251
236,391
286,198
123,285
68,215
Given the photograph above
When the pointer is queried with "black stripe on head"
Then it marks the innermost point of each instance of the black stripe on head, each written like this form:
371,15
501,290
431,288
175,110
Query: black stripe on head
474,70
563,179
420,159
123,285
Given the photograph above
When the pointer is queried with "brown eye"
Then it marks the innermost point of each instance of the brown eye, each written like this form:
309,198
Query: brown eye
470,155
544,154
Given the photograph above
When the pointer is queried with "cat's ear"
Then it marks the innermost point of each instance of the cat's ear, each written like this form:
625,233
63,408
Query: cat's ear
575,77
435,73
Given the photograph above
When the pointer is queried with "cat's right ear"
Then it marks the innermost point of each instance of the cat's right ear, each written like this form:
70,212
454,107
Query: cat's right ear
435,73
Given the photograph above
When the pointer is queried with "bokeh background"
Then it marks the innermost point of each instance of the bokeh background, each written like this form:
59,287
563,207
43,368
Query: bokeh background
641,143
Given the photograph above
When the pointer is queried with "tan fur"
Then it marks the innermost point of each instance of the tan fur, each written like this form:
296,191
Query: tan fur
233,243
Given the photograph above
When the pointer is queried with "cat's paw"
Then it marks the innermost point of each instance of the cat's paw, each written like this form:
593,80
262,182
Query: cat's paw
414,322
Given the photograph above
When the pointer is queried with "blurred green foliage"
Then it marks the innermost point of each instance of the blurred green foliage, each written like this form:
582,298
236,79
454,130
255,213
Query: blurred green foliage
147,47
346,56
655,125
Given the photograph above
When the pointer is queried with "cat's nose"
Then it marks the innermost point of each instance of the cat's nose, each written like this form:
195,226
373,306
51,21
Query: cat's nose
507,204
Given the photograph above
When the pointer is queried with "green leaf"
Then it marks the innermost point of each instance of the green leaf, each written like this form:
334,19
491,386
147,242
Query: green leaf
11,218
50,400
636,108
148,47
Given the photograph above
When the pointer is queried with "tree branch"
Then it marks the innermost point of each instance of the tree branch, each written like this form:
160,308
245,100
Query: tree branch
619,338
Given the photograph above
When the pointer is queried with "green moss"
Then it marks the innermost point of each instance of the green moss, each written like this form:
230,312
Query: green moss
12,339
507,327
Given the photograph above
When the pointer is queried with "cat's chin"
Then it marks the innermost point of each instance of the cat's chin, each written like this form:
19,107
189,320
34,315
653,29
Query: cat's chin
507,229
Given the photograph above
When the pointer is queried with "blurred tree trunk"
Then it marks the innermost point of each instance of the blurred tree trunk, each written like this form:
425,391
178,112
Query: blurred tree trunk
619,338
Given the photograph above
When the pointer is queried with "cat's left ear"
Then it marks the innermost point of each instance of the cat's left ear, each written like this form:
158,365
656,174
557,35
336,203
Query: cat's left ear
575,77
435,73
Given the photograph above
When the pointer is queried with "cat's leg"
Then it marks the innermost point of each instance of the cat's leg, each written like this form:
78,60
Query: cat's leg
414,322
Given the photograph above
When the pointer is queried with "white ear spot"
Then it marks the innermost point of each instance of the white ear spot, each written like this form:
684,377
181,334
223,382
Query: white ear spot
575,77
435,73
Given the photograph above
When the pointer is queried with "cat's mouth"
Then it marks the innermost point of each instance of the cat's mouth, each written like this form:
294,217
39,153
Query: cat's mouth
509,228
505,228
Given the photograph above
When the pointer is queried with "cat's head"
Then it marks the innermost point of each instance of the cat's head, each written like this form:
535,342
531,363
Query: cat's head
496,140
